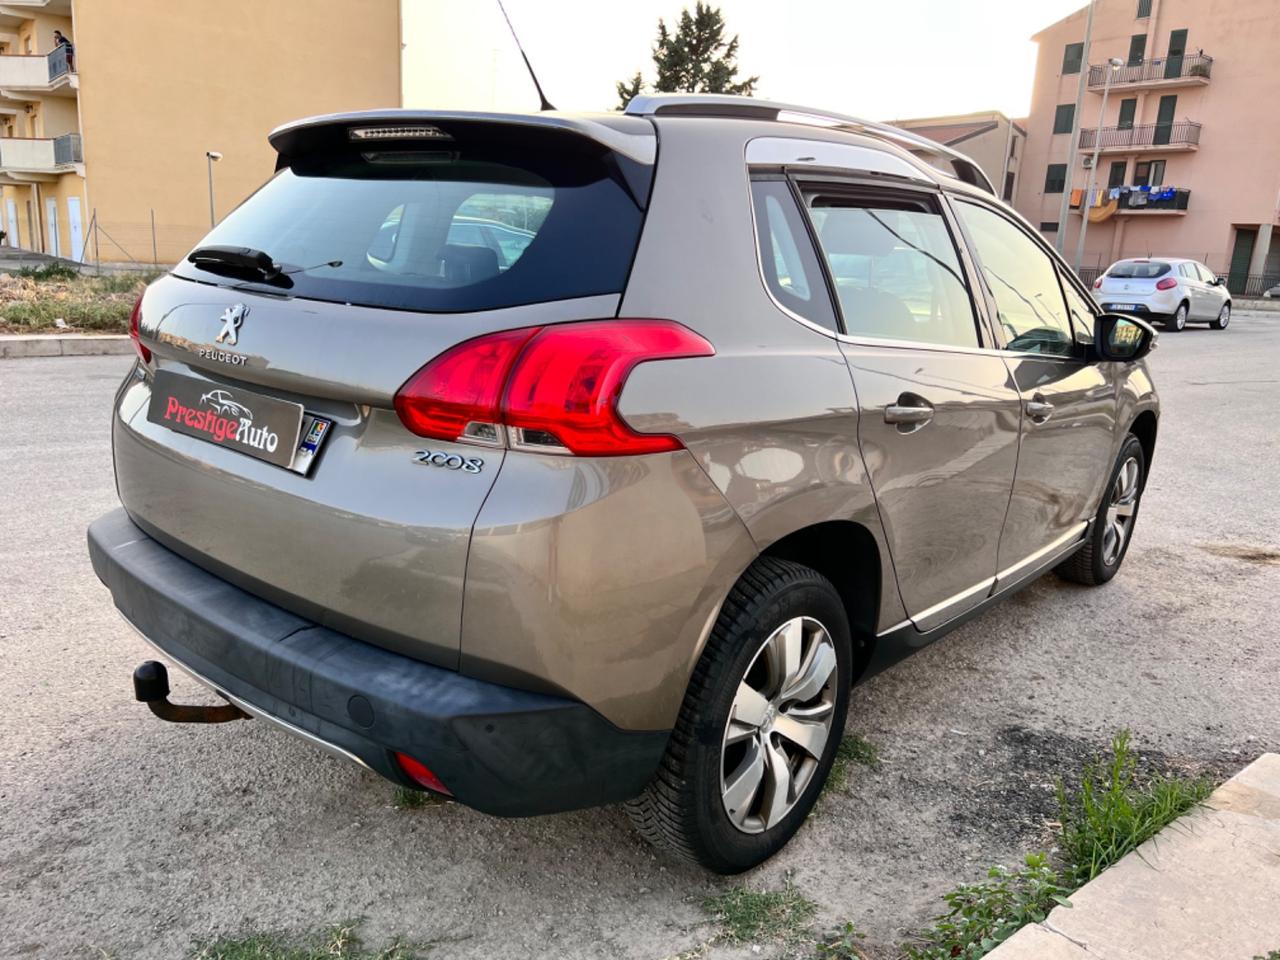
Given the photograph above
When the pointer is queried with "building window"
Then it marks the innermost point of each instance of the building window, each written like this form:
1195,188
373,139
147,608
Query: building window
1144,9
1008,187
1063,117
1118,170
1137,48
1072,57
1055,178
1148,173
1048,226
1128,107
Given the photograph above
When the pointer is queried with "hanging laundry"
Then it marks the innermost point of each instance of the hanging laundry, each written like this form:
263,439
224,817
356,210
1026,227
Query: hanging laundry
1076,196
1115,193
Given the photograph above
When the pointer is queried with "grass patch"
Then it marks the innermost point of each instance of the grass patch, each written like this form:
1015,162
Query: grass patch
1110,814
754,916
853,750
843,943
33,301
405,798
338,942
1273,955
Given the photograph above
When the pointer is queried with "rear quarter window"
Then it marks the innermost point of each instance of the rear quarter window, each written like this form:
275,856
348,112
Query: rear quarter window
486,224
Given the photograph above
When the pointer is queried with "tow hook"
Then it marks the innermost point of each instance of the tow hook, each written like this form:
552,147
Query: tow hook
151,686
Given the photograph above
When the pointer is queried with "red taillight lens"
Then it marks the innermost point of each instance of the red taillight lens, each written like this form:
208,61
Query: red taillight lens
135,319
462,387
556,388
1097,284
420,775
1168,283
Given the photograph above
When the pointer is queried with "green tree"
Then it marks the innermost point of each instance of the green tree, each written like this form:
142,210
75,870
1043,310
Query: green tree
697,58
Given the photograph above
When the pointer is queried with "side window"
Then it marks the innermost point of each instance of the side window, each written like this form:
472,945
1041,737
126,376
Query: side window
790,265
895,269
1207,275
1022,279
1082,312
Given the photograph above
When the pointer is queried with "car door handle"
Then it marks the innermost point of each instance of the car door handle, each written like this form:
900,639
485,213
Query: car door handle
1039,409
909,410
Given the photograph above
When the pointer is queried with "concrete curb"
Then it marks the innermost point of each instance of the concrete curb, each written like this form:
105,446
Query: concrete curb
15,346
1206,886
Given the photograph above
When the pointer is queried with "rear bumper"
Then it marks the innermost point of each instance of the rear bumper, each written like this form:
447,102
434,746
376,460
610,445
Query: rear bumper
500,750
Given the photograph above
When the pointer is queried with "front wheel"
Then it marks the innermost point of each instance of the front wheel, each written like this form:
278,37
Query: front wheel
1100,558
759,725
1224,317
1178,322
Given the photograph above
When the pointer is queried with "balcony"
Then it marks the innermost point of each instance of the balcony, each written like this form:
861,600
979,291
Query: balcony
34,158
24,75
1155,203
1186,70
1143,138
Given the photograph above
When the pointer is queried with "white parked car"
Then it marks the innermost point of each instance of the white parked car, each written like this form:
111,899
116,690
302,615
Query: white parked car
1172,291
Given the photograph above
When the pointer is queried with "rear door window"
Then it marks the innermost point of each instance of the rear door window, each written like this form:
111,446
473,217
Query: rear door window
895,268
486,224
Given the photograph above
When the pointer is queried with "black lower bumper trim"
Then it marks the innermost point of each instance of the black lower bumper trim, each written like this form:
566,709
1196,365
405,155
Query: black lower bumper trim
500,750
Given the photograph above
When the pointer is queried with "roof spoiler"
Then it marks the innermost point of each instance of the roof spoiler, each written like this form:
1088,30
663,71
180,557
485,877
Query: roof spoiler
749,108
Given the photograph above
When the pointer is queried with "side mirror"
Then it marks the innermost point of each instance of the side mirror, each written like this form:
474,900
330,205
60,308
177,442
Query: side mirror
1122,339
1219,281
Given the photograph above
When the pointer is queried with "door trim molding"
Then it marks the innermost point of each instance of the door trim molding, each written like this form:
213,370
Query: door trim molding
953,606
1045,556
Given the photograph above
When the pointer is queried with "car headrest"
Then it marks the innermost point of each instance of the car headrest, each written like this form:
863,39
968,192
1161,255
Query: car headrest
464,263
852,230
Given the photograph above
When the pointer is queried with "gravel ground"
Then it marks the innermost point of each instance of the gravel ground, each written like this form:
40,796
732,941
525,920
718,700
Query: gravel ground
123,836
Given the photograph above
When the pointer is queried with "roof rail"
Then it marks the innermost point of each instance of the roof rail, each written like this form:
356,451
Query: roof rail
749,108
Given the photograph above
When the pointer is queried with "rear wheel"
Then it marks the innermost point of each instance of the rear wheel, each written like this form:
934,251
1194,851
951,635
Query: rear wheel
1224,317
1178,321
759,726
1100,558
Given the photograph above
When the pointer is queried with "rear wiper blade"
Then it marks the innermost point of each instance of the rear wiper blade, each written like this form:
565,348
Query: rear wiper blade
239,261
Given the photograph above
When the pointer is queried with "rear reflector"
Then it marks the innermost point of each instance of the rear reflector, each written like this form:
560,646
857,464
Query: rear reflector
552,389
1168,283
135,319
420,775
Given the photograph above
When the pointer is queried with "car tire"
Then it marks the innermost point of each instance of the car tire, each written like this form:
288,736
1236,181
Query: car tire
1178,322
1224,317
781,621
1100,558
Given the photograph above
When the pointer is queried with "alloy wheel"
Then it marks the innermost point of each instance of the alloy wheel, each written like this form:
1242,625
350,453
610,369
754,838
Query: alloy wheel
779,725
1224,316
1124,503
1180,317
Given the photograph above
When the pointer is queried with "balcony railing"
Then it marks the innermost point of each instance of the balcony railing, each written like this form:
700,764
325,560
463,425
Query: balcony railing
1180,67
59,62
1155,199
1184,133
66,149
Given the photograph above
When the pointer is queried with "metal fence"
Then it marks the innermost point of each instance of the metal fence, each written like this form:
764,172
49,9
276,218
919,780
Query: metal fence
66,149
1157,68
1182,133
59,61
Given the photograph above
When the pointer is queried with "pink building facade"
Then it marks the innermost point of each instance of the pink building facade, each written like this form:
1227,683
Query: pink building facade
1188,147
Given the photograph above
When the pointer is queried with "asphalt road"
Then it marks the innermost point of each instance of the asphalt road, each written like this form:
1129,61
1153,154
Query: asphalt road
126,837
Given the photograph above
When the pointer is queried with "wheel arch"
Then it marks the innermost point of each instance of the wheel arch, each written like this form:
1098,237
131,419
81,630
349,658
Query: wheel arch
1144,427
847,554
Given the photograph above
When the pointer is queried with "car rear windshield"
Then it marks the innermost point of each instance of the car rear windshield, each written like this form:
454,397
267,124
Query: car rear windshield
1138,270
478,224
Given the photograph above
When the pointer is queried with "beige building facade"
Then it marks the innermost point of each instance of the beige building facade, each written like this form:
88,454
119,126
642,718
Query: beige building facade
990,139
1188,149
114,136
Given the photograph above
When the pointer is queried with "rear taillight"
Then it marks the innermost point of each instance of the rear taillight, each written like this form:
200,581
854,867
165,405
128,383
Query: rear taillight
1168,283
135,319
552,389
1097,284
421,775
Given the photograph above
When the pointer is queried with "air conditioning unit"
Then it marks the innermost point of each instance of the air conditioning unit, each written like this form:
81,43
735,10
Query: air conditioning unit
1088,161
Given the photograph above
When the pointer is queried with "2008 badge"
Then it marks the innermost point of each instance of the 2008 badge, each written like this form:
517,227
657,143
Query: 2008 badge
450,461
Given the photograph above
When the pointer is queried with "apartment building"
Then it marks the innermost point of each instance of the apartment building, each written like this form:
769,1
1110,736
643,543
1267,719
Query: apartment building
105,145
989,138
1188,149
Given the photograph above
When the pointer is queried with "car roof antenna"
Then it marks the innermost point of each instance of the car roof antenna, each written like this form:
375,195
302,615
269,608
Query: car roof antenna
546,104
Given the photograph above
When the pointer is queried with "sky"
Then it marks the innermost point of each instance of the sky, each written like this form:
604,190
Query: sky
882,60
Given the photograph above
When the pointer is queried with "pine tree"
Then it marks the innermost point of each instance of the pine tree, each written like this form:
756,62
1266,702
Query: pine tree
695,59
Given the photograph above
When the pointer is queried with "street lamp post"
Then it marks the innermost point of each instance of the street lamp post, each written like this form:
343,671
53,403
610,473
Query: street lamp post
1115,63
211,156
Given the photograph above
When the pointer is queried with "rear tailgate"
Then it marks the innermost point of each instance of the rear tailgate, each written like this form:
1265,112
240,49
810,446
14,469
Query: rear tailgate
431,251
